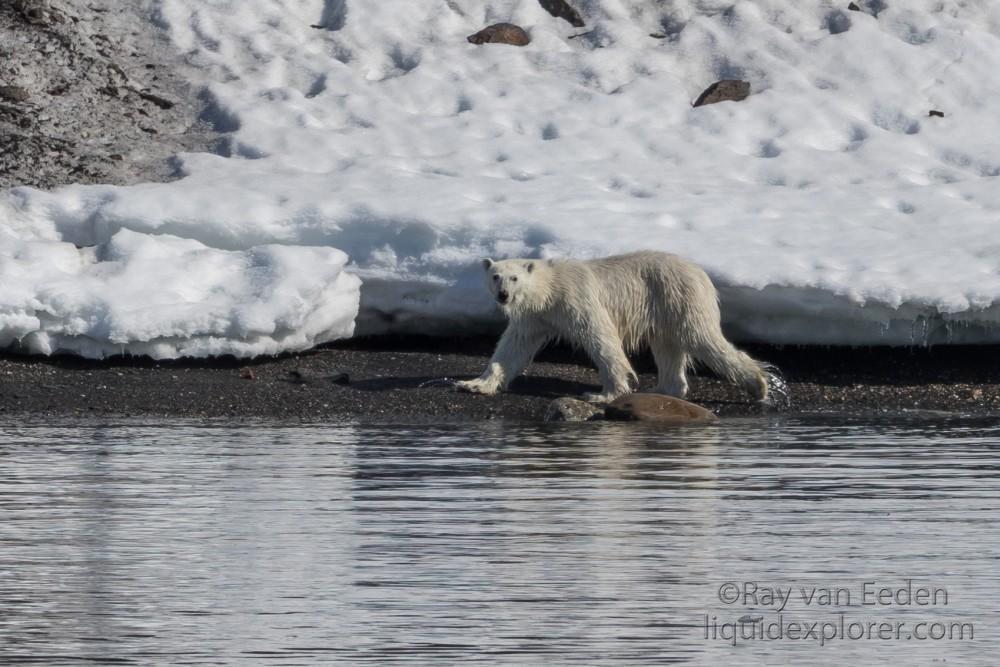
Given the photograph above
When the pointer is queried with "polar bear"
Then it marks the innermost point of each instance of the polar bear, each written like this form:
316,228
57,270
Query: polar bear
608,307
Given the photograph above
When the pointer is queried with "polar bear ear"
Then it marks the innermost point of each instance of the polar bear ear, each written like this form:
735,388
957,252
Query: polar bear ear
487,264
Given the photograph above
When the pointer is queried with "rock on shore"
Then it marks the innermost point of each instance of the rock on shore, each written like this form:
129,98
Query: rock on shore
665,410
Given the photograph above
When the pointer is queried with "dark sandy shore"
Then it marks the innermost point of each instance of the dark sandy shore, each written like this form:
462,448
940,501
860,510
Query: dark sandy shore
385,378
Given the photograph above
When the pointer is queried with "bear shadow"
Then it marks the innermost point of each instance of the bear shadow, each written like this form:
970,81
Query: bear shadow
549,387
525,385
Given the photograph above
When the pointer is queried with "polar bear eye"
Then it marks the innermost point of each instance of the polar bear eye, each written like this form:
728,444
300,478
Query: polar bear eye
513,279
495,277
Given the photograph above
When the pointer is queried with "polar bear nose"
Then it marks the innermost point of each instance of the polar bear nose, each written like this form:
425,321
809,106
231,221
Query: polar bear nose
503,296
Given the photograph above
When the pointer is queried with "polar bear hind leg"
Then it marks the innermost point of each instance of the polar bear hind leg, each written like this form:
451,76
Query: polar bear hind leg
671,368
721,356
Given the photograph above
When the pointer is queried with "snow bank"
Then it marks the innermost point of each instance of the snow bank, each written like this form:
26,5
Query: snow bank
168,297
828,206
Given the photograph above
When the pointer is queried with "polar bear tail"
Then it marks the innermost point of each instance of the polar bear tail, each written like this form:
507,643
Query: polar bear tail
738,367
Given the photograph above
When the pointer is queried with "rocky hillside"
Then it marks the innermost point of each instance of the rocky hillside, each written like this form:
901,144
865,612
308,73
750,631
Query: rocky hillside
90,94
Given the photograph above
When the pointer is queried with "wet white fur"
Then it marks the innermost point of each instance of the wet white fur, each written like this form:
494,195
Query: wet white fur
610,307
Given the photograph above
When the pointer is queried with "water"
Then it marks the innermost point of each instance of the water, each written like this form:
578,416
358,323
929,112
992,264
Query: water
492,544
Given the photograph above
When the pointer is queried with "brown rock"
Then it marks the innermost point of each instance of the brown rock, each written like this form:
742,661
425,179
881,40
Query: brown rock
501,33
726,90
562,10
658,408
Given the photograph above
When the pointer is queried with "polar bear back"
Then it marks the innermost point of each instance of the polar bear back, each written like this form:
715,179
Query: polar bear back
646,295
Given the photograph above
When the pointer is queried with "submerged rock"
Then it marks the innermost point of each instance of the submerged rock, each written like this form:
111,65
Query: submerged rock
727,90
571,410
501,33
658,408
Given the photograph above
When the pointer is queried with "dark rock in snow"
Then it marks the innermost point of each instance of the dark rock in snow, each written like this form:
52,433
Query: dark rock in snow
727,90
501,33
873,7
561,9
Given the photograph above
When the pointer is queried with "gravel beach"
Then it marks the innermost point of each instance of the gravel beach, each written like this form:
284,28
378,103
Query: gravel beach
385,377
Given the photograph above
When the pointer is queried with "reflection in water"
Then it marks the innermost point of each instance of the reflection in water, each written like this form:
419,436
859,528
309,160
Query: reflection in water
600,544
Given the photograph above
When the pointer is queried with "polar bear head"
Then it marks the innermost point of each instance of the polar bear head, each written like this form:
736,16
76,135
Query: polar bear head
513,283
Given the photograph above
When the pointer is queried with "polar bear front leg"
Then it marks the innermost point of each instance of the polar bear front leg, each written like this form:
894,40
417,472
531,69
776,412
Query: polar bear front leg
517,347
607,352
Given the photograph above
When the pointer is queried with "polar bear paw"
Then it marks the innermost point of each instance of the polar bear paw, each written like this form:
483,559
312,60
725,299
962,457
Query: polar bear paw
477,386
603,397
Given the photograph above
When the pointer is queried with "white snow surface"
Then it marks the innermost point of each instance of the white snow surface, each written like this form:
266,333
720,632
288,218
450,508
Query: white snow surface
828,206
